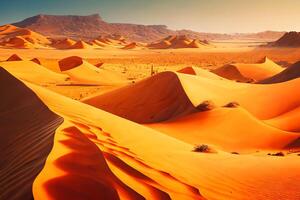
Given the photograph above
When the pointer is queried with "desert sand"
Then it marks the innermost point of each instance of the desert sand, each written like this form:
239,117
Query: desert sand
178,118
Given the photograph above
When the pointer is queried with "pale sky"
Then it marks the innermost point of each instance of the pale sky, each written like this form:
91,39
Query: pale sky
222,16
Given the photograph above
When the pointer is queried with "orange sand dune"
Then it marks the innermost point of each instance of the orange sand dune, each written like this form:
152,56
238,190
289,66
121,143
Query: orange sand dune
26,137
131,152
66,43
164,44
82,72
33,72
17,42
36,60
199,72
249,72
21,37
99,43
198,90
198,44
290,73
157,98
80,45
14,57
132,45
218,127
288,121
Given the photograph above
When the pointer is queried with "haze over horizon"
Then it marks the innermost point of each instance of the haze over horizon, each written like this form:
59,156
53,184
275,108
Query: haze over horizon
230,16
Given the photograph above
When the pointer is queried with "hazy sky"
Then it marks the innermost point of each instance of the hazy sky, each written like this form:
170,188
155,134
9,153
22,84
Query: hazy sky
225,16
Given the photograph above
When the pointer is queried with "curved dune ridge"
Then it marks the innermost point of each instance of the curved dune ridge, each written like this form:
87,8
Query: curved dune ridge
157,98
82,72
288,121
26,137
33,72
249,72
290,73
218,127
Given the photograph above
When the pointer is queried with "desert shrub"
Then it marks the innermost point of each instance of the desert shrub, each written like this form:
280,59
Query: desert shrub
232,105
205,106
201,148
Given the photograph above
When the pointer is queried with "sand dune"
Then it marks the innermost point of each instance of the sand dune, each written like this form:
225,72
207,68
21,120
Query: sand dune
80,45
218,127
290,73
26,137
249,72
33,72
132,45
82,72
288,121
16,37
66,43
164,44
155,99
36,60
14,57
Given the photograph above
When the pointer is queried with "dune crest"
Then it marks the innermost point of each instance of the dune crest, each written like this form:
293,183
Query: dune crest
249,72
82,72
26,138
290,73
14,57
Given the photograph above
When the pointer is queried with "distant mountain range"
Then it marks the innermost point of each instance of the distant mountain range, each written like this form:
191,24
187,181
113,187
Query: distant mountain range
93,26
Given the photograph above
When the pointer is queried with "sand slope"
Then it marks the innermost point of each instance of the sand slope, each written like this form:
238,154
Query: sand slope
26,137
155,99
249,72
290,73
82,72
288,121
33,72
16,37
218,127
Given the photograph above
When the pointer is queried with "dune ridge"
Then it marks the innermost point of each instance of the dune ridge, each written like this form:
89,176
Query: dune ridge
25,147
249,72
290,73
82,72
